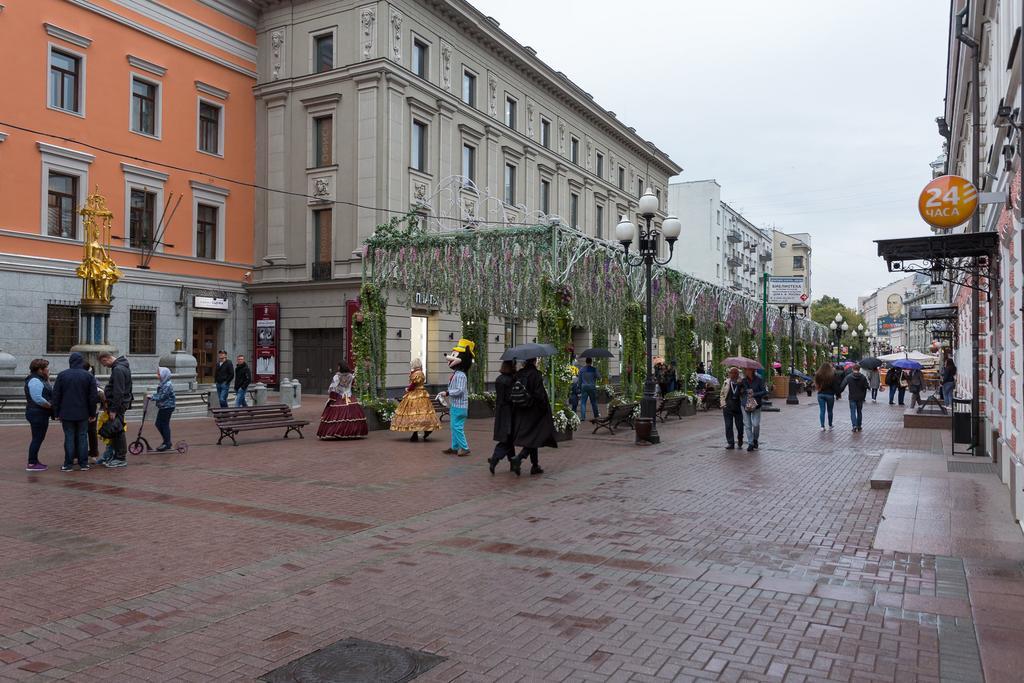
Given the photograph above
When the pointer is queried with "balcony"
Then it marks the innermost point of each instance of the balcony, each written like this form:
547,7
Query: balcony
322,270
734,236
765,258
734,261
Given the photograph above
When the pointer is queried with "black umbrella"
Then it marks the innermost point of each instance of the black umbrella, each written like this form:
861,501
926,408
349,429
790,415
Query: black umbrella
595,353
871,363
525,351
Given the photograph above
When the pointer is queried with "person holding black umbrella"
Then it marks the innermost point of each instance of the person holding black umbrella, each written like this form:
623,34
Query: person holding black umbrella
534,426
504,413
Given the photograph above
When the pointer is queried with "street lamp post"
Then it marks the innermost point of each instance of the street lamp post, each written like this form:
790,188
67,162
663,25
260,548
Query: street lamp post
791,399
838,326
647,255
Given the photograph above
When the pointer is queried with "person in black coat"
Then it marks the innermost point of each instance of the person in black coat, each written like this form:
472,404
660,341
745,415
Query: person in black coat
894,380
732,408
504,427
243,378
74,403
118,393
223,376
534,426
856,385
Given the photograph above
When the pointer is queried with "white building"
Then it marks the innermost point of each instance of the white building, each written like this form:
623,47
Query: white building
719,245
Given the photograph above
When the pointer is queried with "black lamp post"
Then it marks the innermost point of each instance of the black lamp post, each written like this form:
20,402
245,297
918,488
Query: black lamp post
838,326
647,255
794,311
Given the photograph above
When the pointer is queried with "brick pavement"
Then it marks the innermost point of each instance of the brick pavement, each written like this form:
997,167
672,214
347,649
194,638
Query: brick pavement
680,561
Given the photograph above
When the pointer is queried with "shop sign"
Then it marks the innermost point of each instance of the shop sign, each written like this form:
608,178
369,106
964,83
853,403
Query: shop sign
426,300
786,289
211,302
947,201
266,322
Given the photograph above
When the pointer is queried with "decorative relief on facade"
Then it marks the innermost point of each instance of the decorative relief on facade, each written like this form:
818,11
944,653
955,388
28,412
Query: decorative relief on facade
321,188
419,194
396,36
561,138
492,94
529,117
590,147
276,50
367,20
446,66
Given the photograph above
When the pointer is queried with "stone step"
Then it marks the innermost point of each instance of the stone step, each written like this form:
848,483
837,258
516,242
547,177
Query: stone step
884,472
187,404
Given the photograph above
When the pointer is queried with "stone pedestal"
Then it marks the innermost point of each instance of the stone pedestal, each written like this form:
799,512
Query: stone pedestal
259,391
297,390
183,368
12,383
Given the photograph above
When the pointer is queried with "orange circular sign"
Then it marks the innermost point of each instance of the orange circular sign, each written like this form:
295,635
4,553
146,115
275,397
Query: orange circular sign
947,201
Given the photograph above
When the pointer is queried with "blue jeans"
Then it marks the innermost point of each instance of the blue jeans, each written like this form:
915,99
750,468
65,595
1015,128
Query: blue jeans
588,393
947,392
892,393
222,393
458,425
240,399
163,424
76,442
826,403
856,413
752,425
39,426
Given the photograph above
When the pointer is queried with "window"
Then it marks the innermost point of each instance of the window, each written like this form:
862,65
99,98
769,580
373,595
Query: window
657,193
419,58
622,178
545,196
510,184
798,263
510,112
600,165
639,188
141,331
144,104
61,328
718,218
65,81
209,128
418,156
142,219
469,162
323,142
322,244
718,270
599,221
469,88
718,243
206,231
574,150
61,216
323,52
574,210
545,133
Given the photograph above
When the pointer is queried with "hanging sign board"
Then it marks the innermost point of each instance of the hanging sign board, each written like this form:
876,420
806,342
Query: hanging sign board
947,201
266,319
786,289
212,302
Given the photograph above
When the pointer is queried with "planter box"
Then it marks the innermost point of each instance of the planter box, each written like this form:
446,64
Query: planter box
780,387
563,436
374,423
687,409
479,409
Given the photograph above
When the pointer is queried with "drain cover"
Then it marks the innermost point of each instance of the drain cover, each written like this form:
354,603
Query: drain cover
972,467
355,661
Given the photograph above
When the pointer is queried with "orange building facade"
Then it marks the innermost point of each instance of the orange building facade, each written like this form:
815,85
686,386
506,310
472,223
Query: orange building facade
151,105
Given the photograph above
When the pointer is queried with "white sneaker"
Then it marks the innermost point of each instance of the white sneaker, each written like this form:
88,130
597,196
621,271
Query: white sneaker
823,428
830,428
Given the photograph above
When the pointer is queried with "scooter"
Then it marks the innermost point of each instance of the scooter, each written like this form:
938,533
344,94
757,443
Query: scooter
141,443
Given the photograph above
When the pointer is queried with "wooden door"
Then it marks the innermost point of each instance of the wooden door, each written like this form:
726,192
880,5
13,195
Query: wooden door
204,348
316,354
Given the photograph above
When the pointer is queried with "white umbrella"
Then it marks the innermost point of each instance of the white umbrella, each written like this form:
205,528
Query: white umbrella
922,358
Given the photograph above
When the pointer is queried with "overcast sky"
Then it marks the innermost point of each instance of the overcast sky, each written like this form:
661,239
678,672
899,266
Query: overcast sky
813,115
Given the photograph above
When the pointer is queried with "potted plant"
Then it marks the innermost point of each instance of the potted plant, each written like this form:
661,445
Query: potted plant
481,405
379,412
566,422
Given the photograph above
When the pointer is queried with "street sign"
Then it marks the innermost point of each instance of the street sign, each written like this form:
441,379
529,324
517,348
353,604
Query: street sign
787,289
947,201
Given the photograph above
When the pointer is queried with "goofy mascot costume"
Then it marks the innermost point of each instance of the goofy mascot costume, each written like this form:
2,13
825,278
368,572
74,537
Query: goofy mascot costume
460,360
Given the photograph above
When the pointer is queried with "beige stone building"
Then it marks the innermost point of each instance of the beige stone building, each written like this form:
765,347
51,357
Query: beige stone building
366,110
791,255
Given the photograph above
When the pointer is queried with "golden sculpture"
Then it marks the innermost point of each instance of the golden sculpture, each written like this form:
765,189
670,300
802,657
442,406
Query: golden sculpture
98,270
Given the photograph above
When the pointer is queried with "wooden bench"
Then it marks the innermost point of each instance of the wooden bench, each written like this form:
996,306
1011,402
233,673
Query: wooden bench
617,415
671,406
712,399
441,409
232,421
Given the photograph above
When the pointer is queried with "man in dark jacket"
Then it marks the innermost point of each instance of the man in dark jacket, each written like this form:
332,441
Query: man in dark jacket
894,380
856,386
504,429
223,376
732,409
534,426
243,378
74,404
118,394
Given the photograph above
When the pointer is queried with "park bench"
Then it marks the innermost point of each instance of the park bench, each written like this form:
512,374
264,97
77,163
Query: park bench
712,399
616,416
671,406
441,409
232,421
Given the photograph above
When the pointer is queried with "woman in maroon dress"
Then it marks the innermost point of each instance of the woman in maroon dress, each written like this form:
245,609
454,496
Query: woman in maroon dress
343,417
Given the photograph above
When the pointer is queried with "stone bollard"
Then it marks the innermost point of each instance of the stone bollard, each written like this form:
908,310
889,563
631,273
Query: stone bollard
287,392
259,390
297,388
213,400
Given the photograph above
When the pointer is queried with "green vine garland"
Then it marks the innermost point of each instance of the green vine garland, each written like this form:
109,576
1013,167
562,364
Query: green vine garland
599,340
475,329
369,338
634,354
719,350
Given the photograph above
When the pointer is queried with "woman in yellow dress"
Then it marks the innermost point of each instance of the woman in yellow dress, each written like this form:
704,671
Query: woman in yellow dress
416,413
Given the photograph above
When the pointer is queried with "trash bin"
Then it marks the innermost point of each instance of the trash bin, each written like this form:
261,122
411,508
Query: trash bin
962,420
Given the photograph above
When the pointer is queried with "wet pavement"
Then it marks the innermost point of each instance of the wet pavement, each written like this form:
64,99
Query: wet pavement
680,561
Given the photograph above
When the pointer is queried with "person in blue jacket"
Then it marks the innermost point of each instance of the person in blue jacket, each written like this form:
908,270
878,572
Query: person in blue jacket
74,403
165,403
754,391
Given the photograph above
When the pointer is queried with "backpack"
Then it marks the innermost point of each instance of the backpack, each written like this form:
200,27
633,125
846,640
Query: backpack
518,396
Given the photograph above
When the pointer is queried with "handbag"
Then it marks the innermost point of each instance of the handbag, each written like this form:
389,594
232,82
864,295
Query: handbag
111,428
751,403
